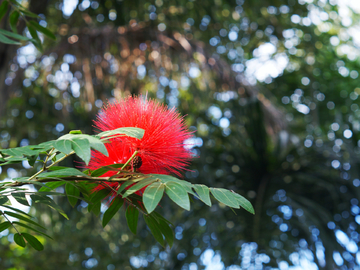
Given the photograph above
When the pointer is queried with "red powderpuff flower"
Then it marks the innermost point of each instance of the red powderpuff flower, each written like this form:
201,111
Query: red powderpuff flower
161,150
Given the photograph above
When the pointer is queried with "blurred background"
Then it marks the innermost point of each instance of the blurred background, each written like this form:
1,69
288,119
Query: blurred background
269,87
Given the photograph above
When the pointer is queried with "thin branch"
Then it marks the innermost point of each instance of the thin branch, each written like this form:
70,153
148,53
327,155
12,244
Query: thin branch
75,178
2,213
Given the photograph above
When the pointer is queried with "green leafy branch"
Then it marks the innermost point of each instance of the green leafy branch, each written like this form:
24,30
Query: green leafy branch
18,11
139,193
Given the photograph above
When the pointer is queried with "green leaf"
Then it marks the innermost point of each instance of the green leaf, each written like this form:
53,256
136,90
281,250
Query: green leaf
166,231
105,169
168,178
62,173
30,228
12,160
36,40
97,144
244,203
203,193
72,192
128,131
138,186
152,196
132,216
19,240
52,185
56,168
95,200
75,132
46,145
4,225
40,198
63,146
30,151
116,204
27,12
3,8
154,229
98,196
33,241
11,34
225,196
6,40
3,200
157,216
83,141
43,30
84,187
32,160
16,210
178,194
96,207
20,198
125,185
13,19
22,218
82,149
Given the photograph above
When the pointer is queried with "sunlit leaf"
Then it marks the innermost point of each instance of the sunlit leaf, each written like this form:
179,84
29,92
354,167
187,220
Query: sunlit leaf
168,178
97,144
203,193
225,196
63,146
128,131
33,241
141,184
82,149
244,203
152,196
178,194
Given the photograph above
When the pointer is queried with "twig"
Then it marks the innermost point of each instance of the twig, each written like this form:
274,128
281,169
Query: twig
2,213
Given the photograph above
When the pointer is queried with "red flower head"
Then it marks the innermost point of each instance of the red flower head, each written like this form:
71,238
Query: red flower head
161,150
